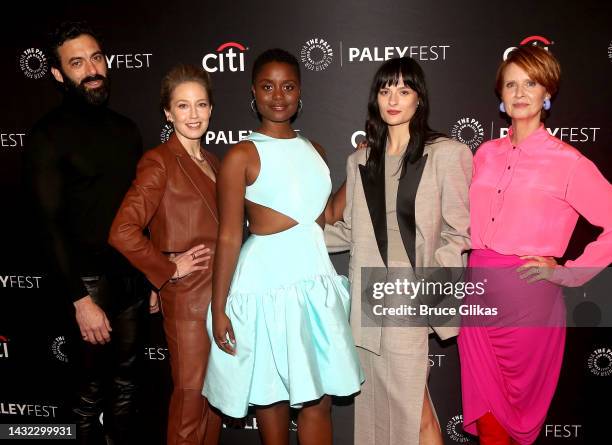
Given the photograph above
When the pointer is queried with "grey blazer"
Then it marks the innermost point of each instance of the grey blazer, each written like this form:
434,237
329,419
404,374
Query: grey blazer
437,237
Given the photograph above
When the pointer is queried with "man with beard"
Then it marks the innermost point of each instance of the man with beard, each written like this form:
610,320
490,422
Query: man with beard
80,161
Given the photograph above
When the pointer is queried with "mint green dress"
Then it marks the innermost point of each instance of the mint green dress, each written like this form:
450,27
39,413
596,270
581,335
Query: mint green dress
288,306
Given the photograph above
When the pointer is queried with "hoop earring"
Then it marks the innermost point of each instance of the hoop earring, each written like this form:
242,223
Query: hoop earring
300,107
253,108
547,104
502,108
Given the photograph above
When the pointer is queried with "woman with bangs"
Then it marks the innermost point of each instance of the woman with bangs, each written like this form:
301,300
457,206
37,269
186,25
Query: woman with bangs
526,195
406,208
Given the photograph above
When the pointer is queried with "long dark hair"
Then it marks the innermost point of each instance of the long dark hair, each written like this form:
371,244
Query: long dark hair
376,129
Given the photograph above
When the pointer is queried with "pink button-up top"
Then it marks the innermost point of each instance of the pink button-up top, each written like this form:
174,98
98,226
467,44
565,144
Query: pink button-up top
525,199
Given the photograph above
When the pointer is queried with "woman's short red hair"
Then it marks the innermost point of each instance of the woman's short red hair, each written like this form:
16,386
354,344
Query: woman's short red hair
539,64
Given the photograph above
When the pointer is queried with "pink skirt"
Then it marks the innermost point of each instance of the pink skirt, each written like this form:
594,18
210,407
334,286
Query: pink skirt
511,368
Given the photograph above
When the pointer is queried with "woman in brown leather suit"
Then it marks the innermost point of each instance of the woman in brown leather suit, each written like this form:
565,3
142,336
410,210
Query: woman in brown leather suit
174,197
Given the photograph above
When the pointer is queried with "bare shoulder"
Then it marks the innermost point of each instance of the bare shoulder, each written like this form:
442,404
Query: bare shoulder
319,149
240,154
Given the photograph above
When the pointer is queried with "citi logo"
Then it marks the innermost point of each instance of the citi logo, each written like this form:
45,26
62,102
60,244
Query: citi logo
3,347
531,40
228,57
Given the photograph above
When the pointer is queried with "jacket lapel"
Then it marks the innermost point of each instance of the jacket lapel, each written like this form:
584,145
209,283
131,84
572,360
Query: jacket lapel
374,190
406,213
195,176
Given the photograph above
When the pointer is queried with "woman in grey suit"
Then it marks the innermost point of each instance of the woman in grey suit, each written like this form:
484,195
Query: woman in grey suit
407,207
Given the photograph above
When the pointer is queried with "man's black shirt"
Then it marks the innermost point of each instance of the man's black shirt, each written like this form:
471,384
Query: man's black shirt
79,163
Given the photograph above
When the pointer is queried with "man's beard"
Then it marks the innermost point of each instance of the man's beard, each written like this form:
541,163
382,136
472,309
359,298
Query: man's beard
93,96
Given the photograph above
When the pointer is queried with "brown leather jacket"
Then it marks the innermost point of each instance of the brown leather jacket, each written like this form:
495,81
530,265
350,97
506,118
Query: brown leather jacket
176,201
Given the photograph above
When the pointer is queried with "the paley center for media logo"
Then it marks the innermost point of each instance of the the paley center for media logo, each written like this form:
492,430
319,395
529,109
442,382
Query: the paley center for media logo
33,63
468,131
600,362
229,56
454,429
317,54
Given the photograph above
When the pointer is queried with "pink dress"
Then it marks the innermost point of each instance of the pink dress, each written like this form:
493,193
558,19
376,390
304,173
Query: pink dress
525,200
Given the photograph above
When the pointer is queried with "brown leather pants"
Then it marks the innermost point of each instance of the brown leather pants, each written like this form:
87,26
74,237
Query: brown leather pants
190,419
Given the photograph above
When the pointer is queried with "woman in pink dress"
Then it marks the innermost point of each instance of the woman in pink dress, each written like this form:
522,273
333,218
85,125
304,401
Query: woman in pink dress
527,192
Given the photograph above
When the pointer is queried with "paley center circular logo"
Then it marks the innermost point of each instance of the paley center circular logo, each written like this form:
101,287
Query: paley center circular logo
33,63
57,347
600,362
454,429
166,132
317,54
468,131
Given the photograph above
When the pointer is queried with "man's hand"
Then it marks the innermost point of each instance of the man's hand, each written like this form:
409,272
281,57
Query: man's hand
95,327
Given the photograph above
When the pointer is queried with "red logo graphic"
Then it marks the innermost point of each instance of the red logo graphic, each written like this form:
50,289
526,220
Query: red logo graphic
531,40
534,40
228,56
231,45
3,347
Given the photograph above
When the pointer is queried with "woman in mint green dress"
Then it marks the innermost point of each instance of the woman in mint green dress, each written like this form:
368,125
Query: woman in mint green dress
279,311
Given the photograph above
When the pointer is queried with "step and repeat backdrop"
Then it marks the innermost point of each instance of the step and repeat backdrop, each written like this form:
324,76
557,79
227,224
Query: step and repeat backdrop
340,45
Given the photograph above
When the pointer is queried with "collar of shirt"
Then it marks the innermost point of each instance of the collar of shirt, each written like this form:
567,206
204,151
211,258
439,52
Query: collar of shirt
532,144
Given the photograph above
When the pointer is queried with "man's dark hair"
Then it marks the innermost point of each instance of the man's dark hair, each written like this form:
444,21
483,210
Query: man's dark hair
66,31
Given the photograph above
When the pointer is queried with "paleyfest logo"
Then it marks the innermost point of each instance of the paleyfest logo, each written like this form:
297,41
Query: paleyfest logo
531,40
229,56
610,51
317,54
468,131
33,63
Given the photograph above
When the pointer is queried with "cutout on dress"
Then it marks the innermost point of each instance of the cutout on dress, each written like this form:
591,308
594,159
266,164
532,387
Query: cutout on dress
278,220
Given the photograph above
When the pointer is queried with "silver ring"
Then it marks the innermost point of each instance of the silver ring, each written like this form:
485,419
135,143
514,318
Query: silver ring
224,342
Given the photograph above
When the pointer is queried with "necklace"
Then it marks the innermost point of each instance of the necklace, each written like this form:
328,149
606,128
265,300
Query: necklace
195,158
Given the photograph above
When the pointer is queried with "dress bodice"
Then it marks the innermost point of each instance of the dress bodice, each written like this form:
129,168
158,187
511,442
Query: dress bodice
293,178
